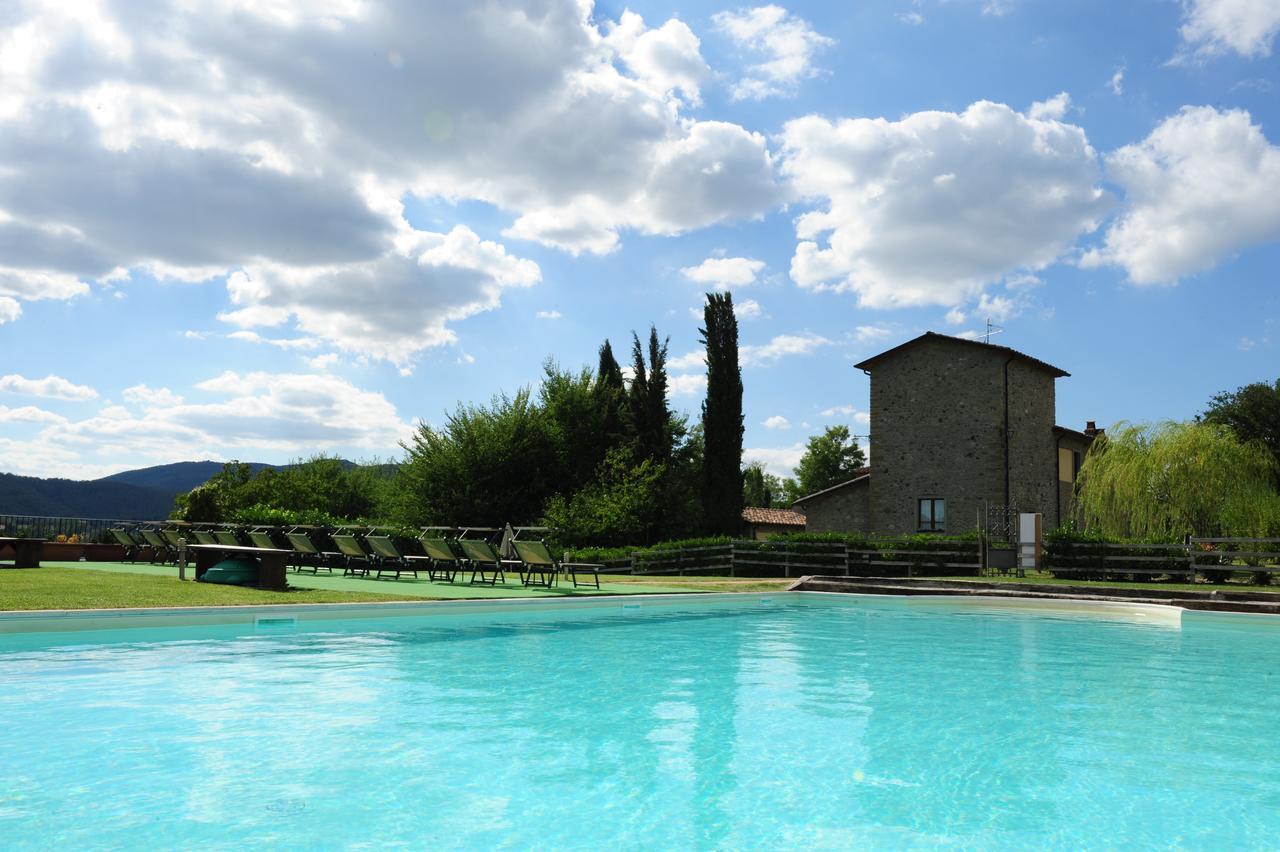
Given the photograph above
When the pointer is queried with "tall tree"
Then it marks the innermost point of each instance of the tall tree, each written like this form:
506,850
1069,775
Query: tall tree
647,399
829,459
760,488
722,418
1176,479
611,397
1252,413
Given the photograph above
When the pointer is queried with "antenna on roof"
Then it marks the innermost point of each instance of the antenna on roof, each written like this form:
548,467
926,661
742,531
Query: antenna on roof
991,329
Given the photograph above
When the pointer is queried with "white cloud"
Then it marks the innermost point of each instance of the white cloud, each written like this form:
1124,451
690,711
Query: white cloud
390,307
1052,109
1247,27
1117,82
871,333
724,272
687,385
779,347
780,461
10,310
29,414
747,309
1204,185
254,413
693,360
932,209
151,397
50,387
914,19
323,362
189,143
668,57
547,315
850,412
786,43
777,421
195,335
955,316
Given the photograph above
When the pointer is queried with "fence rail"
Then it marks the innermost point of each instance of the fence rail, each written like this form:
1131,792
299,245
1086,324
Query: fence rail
50,527
890,557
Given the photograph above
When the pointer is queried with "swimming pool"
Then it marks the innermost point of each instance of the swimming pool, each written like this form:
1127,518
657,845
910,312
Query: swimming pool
792,720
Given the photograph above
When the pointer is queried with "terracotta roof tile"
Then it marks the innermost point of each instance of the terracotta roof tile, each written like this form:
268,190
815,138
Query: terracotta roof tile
756,515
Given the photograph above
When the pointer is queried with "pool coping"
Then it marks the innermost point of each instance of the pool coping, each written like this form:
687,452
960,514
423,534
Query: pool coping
277,615
69,620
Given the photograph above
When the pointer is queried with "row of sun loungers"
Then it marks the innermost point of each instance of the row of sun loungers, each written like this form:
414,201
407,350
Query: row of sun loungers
373,553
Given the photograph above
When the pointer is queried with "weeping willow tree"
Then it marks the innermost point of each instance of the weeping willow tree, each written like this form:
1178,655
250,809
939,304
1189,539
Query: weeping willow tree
1174,479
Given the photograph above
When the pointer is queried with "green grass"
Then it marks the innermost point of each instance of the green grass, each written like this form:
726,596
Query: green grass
106,585
72,588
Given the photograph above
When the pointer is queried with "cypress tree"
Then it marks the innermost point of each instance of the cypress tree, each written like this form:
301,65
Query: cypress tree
610,392
722,418
647,400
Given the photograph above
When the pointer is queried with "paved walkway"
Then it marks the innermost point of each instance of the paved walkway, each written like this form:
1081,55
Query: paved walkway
407,586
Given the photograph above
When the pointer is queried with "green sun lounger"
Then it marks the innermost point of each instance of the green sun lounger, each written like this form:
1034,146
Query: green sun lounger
262,538
538,563
486,565
389,557
204,537
160,550
445,564
305,550
357,560
227,537
128,543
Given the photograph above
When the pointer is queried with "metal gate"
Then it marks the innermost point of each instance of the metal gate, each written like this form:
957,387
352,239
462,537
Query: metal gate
999,529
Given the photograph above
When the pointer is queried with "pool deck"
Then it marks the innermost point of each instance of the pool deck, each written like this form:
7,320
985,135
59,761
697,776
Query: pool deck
1260,603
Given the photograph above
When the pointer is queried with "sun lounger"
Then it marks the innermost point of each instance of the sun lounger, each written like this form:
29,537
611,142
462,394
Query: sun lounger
262,538
539,563
357,560
390,558
127,542
486,565
445,564
305,550
204,537
226,537
160,550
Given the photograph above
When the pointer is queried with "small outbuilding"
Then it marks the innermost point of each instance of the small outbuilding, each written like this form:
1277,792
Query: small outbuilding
759,523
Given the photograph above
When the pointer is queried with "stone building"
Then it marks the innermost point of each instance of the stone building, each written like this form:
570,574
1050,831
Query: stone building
955,424
759,523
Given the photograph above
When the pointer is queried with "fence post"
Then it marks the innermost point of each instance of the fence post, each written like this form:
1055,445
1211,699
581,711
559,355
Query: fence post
733,555
182,558
1191,559
633,562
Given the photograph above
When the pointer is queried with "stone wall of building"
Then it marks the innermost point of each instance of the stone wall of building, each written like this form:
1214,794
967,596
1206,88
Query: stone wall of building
938,431
846,509
1033,460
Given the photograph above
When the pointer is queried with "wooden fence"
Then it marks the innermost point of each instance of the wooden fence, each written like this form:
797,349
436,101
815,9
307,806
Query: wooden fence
1217,558
1106,561
885,557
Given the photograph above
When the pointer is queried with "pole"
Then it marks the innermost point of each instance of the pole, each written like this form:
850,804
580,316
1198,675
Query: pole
182,558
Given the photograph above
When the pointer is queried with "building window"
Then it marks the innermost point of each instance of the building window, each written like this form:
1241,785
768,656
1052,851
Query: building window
1077,459
932,514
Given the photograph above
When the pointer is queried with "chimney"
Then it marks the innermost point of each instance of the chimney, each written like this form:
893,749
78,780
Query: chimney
1091,429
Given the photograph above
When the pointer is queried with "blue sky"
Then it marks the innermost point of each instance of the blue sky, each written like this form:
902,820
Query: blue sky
262,231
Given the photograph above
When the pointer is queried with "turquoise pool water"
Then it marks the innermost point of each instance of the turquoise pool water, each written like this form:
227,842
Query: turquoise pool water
748,725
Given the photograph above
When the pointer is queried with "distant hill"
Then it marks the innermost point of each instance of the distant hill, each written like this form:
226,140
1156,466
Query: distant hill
173,478
145,494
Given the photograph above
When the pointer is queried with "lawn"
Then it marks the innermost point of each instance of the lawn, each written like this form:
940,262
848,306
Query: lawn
80,585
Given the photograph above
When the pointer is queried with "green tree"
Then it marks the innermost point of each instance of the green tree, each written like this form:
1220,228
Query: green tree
622,506
611,398
722,418
647,399
1176,479
576,422
760,488
829,459
1252,412
486,465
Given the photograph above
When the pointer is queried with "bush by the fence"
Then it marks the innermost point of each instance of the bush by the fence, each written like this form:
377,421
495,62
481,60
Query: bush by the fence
1075,554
